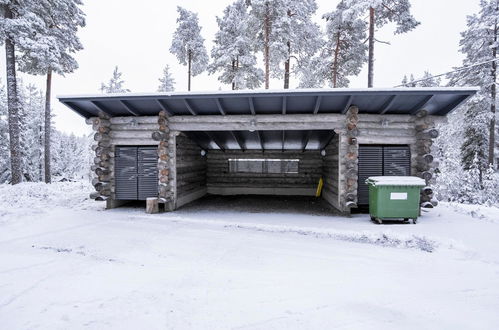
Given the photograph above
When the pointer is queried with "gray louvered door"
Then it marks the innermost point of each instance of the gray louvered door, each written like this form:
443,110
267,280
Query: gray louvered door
136,173
148,172
396,161
377,160
125,164
370,164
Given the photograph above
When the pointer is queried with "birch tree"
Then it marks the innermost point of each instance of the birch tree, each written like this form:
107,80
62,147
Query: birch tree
232,52
188,44
53,51
380,13
167,83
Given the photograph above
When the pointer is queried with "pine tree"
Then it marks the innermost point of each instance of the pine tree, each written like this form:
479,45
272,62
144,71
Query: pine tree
344,52
53,52
382,12
115,84
479,44
4,137
426,81
232,51
296,36
188,44
167,83
19,26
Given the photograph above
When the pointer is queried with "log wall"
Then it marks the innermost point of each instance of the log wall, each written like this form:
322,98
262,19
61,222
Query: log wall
191,169
221,181
330,173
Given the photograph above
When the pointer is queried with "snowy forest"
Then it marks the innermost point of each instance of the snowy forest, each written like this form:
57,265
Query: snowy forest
257,40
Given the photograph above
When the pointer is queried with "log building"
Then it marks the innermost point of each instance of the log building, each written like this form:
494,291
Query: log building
178,147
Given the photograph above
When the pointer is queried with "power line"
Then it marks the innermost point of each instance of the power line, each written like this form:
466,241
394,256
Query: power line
446,73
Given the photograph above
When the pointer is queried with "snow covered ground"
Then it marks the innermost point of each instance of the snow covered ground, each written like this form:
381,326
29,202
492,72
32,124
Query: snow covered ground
68,264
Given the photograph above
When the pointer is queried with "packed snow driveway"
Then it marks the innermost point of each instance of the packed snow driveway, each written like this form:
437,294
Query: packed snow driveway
212,268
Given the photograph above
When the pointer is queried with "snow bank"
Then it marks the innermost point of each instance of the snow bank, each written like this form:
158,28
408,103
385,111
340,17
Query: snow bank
42,196
396,181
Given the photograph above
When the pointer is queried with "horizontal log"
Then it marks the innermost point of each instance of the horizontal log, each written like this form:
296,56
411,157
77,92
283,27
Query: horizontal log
395,133
385,125
426,158
130,135
396,140
101,137
427,134
137,127
131,120
159,136
134,142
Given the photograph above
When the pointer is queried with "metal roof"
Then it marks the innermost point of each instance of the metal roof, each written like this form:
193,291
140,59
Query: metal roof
405,101
437,101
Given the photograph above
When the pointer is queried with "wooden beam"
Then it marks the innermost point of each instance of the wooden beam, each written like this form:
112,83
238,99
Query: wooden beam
260,139
347,104
421,104
305,140
219,105
317,104
454,104
78,110
251,105
99,107
215,140
234,135
163,107
129,108
283,139
385,107
329,139
284,100
188,106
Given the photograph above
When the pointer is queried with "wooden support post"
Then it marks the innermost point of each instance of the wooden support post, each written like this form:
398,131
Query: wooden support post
349,151
104,158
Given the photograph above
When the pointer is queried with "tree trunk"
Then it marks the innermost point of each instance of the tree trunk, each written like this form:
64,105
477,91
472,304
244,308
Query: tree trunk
234,74
13,107
48,120
370,65
286,67
266,44
335,63
492,128
189,71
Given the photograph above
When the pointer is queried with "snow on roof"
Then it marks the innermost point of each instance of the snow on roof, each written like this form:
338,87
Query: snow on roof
274,91
396,181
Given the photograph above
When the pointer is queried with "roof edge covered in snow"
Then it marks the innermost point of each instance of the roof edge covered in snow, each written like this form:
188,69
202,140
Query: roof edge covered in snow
437,101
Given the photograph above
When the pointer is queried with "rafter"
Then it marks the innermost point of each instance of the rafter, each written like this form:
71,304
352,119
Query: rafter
328,140
305,140
421,104
283,139
251,105
99,107
215,140
189,107
260,139
385,107
129,108
284,100
219,105
347,104
317,104
163,107
234,135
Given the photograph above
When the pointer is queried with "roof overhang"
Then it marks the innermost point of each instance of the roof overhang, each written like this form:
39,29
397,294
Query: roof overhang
406,101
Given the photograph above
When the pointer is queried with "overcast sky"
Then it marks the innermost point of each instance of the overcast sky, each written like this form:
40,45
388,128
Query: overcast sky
136,36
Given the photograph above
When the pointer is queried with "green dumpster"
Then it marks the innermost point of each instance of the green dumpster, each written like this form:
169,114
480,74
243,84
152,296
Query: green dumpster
394,197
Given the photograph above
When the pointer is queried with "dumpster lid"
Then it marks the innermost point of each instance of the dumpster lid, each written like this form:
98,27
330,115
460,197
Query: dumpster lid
396,181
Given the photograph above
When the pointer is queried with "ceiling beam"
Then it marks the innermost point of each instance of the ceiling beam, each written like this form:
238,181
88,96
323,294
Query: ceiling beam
163,107
347,104
188,106
219,105
129,108
305,140
260,139
385,107
284,100
251,105
421,104
99,107
215,140
78,110
283,139
238,140
328,140
455,104
317,104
